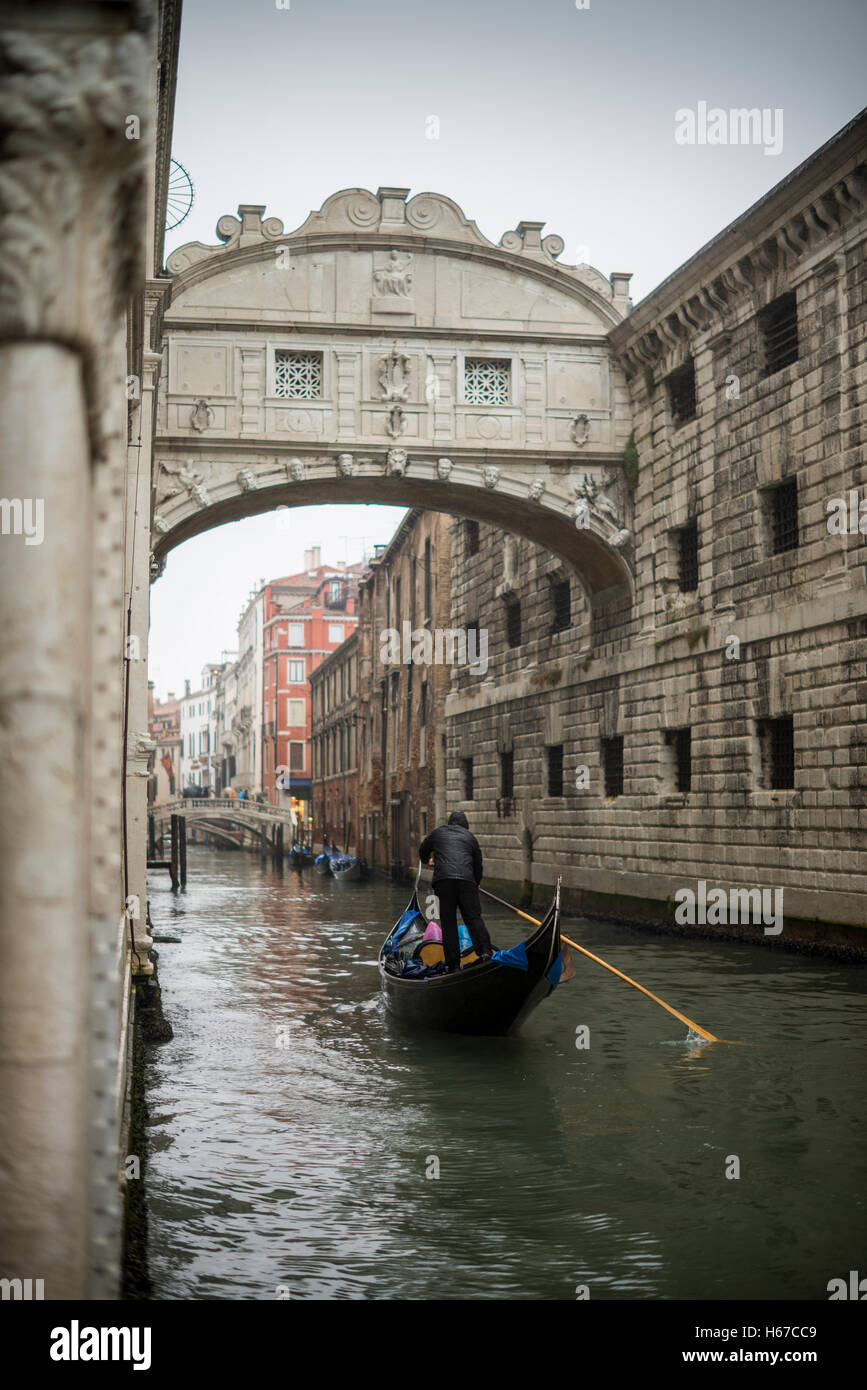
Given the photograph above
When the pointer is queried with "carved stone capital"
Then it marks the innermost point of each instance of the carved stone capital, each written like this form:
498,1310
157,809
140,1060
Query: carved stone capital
72,166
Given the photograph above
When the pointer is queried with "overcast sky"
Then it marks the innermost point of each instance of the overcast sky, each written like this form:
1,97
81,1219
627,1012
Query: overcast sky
545,111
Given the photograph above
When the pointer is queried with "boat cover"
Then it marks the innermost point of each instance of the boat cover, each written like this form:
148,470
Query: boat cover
516,956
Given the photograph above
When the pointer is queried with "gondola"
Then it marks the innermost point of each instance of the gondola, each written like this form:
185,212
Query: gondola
300,858
347,868
490,997
322,864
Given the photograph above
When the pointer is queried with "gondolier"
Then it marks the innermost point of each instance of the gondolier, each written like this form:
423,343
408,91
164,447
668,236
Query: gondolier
457,873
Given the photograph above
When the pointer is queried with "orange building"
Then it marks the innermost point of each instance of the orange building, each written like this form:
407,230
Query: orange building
306,617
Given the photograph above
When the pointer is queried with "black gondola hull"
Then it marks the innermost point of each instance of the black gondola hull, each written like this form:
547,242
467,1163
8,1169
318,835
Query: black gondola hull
481,999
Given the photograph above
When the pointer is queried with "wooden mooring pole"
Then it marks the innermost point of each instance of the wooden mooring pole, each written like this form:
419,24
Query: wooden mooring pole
182,849
174,858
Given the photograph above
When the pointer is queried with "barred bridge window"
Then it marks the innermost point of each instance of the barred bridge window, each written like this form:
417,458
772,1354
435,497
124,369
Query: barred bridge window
486,381
298,375
471,531
513,623
778,325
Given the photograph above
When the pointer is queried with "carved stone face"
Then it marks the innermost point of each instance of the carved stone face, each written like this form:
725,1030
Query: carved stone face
444,468
295,470
345,465
491,477
537,487
396,461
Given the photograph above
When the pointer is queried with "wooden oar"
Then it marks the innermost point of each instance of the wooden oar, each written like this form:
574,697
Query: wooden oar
599,961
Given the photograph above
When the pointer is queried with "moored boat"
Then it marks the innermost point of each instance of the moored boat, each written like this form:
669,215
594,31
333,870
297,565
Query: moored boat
322,864
347,868
483,997
301,857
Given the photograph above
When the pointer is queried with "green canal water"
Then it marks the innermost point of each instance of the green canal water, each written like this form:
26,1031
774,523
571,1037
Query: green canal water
293,1125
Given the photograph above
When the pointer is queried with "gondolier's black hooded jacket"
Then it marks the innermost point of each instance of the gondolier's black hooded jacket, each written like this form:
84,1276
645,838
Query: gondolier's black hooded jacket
456,852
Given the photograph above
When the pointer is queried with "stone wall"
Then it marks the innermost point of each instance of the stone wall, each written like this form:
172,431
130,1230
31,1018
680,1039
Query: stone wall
402,752
764,635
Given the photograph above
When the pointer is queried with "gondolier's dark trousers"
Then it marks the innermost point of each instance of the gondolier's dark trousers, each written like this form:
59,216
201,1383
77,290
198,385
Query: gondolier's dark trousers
455,893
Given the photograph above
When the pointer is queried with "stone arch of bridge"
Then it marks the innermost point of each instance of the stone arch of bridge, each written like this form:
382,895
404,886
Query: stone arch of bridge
546,508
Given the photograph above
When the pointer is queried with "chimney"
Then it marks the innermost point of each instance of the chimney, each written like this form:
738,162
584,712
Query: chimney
311,558
186,687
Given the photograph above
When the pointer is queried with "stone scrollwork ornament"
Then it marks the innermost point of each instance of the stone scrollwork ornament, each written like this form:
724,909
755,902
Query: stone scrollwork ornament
394,377
396,422
201,416
580,430
160,524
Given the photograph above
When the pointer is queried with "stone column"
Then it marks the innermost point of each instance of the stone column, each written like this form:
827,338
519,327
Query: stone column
43,843
70,226
137,579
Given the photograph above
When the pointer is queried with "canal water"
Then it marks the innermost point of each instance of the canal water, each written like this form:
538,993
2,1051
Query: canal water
296,1132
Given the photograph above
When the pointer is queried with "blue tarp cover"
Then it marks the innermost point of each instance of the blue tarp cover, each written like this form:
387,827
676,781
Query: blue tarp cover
556,970
516,956
411,915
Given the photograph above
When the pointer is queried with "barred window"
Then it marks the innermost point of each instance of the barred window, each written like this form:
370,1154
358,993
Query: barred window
778,325
612,765
467,771
298,375
680,743
687,558
486,381
561,600
777,746
555,770
782,516
471,531
513,623
681,392
507,774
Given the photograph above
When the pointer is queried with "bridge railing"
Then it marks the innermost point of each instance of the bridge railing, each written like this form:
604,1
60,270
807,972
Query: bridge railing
215,804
